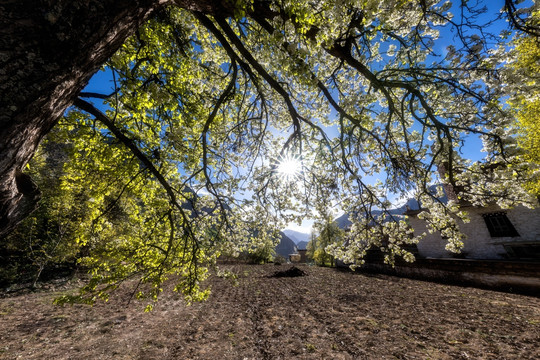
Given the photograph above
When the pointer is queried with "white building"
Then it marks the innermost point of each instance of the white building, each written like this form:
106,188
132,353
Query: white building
492,233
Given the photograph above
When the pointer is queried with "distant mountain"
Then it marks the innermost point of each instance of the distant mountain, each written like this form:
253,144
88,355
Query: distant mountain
343,221
297,236
285,247
302,245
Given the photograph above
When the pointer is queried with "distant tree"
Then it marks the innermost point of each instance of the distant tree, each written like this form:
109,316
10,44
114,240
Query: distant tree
262,255
311,245
525,69
329,234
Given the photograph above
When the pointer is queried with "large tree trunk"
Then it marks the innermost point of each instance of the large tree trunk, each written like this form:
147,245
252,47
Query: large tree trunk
48,52
49,49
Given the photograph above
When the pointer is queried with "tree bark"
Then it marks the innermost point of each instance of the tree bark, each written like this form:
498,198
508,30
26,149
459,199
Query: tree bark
49,49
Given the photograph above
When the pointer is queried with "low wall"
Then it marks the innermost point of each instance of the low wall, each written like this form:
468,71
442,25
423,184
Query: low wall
511,276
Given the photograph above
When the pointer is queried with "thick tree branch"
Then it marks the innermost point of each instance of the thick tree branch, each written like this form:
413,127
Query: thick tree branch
517,22
261,71
130,144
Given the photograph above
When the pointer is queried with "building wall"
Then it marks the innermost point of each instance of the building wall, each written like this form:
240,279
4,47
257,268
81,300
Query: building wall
479,244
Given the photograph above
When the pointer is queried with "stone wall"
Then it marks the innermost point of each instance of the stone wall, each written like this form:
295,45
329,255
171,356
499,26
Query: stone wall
513,276
479,243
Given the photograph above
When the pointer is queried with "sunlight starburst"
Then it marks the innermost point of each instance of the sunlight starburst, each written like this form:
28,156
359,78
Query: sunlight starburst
289,167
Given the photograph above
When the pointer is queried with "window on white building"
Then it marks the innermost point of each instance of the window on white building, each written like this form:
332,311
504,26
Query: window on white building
499,225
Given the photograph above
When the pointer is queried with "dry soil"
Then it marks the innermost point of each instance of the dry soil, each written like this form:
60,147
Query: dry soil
327,314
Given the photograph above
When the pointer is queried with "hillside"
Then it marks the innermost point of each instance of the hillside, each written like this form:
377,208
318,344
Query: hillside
297,236
285,247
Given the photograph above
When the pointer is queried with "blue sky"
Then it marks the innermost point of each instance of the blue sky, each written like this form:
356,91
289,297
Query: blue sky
102,82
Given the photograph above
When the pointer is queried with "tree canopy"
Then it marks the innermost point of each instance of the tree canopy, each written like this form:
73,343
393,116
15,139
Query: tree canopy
526,102
180,164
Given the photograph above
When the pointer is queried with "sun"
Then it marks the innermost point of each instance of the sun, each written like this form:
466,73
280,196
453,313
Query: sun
289,167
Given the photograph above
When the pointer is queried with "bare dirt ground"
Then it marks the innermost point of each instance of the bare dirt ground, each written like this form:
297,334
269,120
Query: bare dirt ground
328,314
